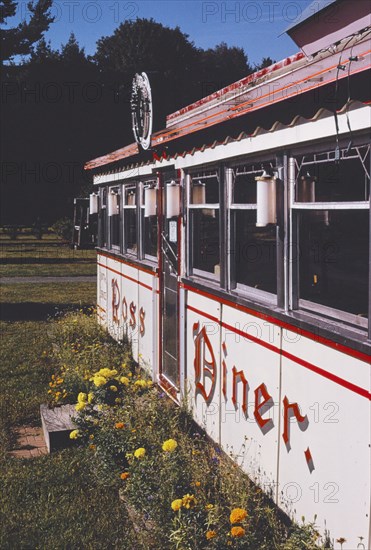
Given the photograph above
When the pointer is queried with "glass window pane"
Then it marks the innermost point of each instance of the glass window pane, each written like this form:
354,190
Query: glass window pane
334,259
150,236
130,230
255,252
244,189
204,190
205,240
343,181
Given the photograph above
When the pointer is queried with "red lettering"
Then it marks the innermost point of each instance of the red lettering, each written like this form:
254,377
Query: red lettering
290,410
261,391
204,368
115,301
142,315
133,309
238,376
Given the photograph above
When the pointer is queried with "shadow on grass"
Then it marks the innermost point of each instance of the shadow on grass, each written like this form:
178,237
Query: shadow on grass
34,311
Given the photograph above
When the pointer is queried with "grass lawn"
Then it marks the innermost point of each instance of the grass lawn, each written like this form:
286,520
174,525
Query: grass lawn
43,259
55,501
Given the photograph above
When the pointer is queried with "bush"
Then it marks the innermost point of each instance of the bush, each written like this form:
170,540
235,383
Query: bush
63,228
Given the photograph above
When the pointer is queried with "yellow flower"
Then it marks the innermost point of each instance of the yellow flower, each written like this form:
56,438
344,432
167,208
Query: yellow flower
237,515
99,381
74,434
177,504
189,501
113,388
117,400
169,445
237,532
91,436
90,398
82,397
80,406
140,383
198,483
209,506
125,380
210,535
124,475
92,447
140,453
119,425
107,373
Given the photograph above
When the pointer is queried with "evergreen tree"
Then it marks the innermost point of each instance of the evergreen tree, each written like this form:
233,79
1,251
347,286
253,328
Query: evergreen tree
19,39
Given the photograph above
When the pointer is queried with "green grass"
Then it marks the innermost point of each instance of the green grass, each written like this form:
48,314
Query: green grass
31,260
58,294
53,502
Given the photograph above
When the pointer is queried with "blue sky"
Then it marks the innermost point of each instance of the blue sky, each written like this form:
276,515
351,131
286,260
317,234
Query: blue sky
253,25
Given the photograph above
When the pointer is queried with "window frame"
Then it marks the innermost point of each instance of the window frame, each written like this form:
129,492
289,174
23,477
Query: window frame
297,304
203,173
241,289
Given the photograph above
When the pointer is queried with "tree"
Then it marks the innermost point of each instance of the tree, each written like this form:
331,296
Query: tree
19,39
221,66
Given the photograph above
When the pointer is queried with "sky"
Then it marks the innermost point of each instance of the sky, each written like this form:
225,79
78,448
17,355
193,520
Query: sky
253,25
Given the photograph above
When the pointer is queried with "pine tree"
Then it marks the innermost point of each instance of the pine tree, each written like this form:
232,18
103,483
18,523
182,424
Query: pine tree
19,39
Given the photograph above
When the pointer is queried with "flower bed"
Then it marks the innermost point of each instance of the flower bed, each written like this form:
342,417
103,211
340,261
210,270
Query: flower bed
189,492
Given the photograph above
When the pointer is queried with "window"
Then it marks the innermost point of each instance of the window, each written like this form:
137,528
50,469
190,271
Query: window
149,219
331,229
102,219
252,248
130,219
114,209
204,215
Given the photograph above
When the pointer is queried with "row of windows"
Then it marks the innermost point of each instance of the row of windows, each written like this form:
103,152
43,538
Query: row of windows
323,227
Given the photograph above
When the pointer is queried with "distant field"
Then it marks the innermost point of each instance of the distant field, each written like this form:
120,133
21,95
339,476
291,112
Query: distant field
27,259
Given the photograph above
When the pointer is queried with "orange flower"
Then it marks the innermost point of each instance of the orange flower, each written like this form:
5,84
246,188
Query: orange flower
237,532
237,515
124,475
210,534
119,425
198,483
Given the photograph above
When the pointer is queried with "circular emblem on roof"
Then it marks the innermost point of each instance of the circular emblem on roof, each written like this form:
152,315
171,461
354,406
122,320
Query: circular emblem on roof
141,110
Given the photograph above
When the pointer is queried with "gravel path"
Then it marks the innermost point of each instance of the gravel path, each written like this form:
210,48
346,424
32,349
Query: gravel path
38,280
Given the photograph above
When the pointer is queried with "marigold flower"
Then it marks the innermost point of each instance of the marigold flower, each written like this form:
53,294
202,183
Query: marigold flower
169,445
237,515
238,532
99,381
140,453
140,383
177,504
82,397
107,373
210,535
74,434
124,475
198,483
119,425
189,501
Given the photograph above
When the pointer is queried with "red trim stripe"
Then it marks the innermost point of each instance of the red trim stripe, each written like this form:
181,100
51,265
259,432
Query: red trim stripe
127,277
140,268
312,336
283,353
